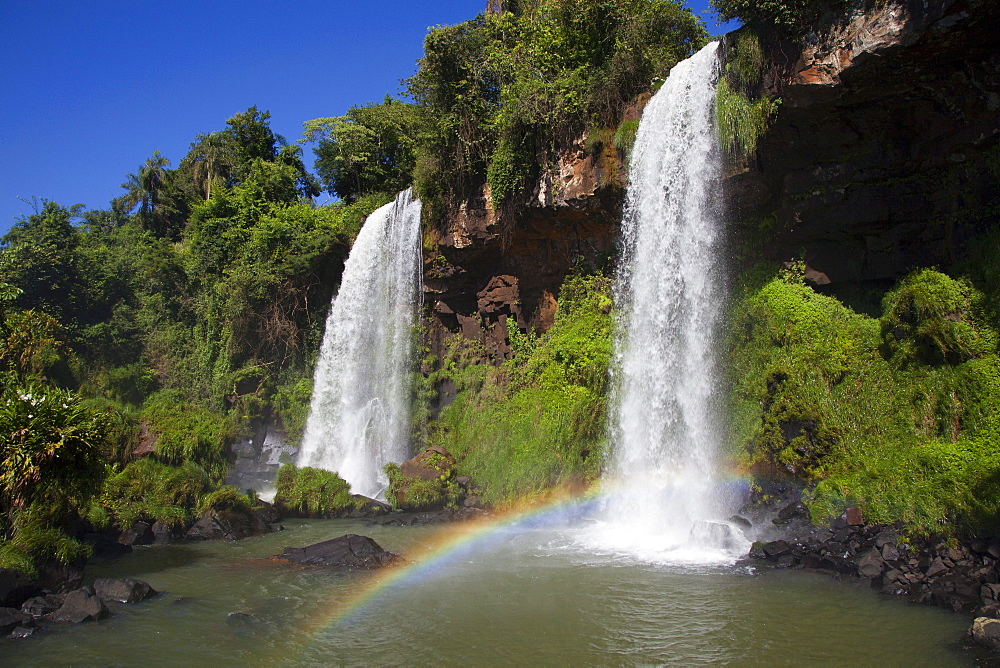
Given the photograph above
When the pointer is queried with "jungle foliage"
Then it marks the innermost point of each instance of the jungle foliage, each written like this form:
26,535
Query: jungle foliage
504,91
898,414
537,420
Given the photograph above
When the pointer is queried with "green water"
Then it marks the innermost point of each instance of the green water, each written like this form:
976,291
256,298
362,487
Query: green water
526,597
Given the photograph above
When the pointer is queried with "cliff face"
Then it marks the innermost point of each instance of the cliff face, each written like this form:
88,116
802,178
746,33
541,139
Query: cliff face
883,157
884,153
480,278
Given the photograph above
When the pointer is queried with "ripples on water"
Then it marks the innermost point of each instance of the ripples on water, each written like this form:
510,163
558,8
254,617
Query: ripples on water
526,597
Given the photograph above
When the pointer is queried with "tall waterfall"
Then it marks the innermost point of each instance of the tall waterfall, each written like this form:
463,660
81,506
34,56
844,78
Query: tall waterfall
359,415
663,427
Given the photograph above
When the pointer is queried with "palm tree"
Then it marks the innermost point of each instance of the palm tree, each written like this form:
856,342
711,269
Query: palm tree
145,190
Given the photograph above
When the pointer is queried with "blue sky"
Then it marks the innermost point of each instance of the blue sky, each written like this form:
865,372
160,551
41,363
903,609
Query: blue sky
88,90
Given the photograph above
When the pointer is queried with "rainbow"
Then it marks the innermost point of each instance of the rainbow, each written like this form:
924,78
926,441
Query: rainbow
453,543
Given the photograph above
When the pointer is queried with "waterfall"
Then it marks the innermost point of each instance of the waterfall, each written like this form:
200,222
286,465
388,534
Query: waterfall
359,415
662,426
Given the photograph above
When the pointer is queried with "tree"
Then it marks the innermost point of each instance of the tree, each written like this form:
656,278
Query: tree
370,149
148,189
39,256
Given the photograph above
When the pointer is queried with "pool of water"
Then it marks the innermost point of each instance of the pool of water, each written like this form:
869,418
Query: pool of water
525,595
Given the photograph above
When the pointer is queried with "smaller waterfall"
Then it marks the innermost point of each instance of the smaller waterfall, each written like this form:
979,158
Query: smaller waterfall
359,415
662,427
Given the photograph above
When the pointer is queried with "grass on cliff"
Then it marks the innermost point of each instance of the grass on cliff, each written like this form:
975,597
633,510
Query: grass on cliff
900,415
537,420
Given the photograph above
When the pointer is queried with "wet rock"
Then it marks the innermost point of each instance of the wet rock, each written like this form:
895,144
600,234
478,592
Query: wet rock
884,538
165,533
870,564
140,533
368,507
16,588
985,631
349,551
40,606
775,548
741,522
11,618
790,512
123,590
81,605
22,632
230,525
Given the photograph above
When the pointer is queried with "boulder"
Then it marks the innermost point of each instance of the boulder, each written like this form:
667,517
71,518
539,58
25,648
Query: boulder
230,525
140,533
776,548
430,464
123,590
854,517
367,507
81,605
347,552
16,588
40,606
790,512
870,564
986,632
11,618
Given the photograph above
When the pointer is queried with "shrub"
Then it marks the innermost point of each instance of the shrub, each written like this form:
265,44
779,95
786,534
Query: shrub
226,497
311,492
151,490
188,432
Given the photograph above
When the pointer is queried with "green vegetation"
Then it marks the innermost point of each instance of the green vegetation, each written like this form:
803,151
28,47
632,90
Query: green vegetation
150,490
900,415
309,492
787,17
504,92
537,420
743,109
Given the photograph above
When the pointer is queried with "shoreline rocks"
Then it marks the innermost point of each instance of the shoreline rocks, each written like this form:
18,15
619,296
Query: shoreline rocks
963,577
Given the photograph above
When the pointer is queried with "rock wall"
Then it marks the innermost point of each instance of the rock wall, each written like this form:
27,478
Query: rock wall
884,153
482,276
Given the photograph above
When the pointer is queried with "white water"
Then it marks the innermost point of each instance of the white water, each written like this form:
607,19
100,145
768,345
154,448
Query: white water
664,503
359,415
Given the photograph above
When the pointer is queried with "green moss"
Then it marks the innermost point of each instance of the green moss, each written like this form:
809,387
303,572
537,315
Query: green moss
312,492
417,494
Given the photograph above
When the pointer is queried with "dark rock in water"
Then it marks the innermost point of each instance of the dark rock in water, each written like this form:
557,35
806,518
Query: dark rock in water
81,605
40,606
241,620
368,507
870,564
22,632
350,551
11,618
230,525
106,544
16,588
140,533
123,590
741,522
775,548
165,533
986,632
